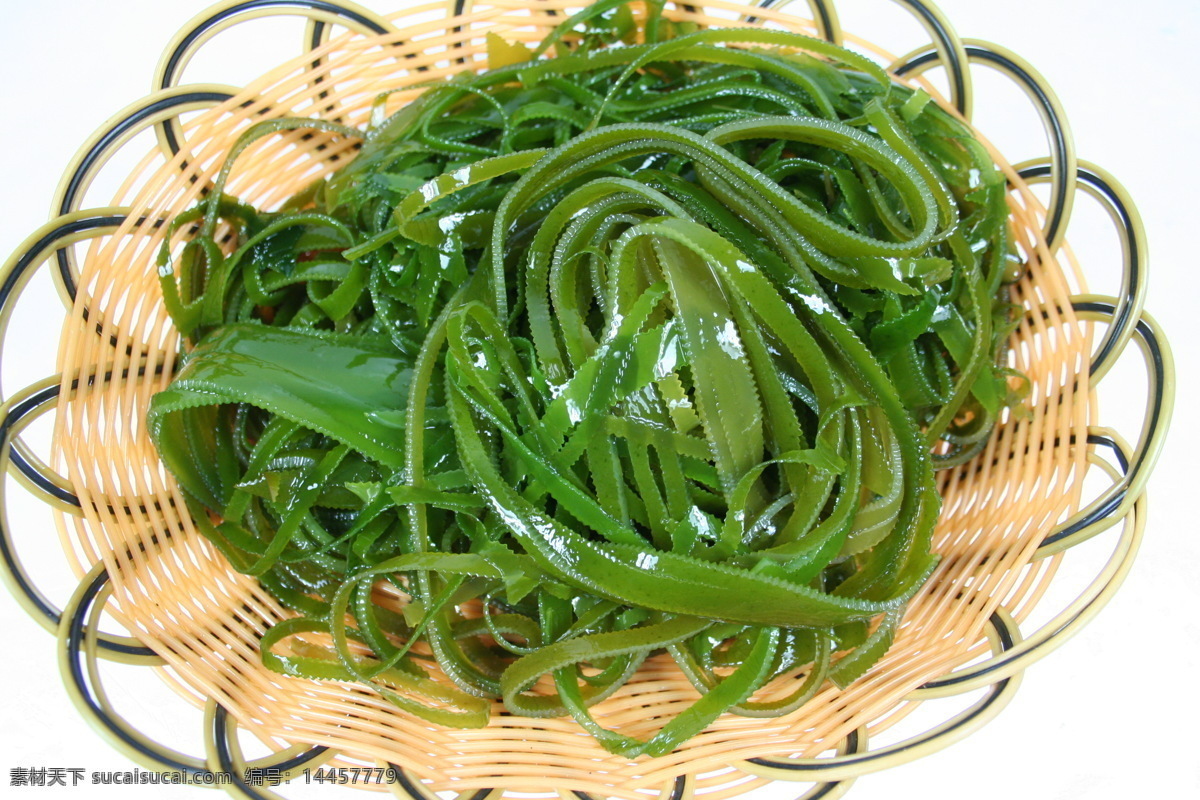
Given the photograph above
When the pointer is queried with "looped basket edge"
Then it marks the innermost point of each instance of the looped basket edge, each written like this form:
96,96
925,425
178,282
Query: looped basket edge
123,521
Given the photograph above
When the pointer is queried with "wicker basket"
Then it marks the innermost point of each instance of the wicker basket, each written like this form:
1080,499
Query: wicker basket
1008,516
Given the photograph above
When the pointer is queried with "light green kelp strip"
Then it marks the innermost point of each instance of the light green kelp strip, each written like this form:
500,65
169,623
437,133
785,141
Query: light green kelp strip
634,349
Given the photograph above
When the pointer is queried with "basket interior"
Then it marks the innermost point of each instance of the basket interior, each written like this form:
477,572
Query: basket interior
174,591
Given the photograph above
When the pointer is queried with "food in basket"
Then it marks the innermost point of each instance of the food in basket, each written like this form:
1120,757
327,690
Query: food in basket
654,344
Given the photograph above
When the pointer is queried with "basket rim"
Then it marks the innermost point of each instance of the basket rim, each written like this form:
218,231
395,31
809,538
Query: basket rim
1129,324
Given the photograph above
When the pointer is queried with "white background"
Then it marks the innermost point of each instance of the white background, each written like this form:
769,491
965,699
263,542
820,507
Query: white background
1112,714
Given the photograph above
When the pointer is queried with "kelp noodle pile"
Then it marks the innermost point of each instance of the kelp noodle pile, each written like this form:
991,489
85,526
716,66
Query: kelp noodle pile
653,345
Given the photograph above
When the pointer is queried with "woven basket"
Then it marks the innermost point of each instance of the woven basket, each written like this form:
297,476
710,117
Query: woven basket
1008,518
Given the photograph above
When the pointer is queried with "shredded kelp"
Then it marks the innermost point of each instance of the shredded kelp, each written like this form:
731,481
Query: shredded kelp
652,345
